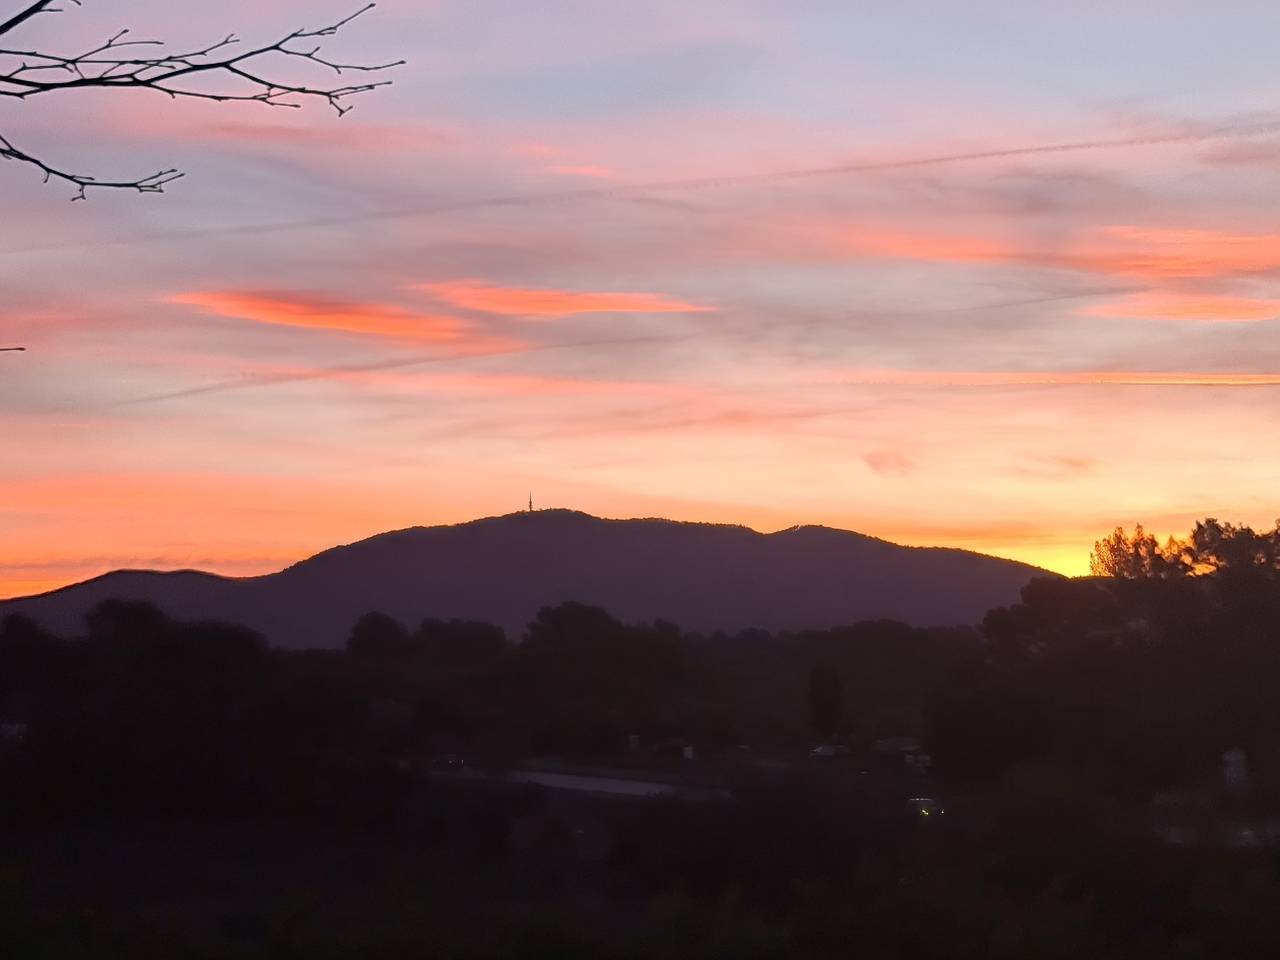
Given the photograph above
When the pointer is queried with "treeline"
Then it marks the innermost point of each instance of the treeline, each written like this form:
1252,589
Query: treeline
146,713
1211,547
1140,681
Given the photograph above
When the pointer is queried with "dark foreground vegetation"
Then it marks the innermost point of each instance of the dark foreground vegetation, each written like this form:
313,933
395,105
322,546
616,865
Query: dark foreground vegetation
1101,762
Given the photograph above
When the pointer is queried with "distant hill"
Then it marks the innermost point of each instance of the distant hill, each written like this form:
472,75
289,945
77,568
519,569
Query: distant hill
502,569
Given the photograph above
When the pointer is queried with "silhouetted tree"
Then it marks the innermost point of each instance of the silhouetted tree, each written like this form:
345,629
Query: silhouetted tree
1214,546
30,658
219,71
826,700
1139,556
1056,616
126,622
572,626
377,635
459,643
587,679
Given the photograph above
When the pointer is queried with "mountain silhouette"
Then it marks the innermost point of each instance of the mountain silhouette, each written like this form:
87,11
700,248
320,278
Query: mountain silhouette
700,576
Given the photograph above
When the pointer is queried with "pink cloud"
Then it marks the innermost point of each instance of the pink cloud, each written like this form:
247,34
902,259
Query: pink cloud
322,132
888,462
536,148
583,170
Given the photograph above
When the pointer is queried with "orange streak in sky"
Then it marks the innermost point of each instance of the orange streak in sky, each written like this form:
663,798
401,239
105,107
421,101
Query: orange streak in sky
319,313
1119,251
516,301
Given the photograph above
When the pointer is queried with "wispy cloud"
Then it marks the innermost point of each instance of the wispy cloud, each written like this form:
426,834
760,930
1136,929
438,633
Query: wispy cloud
892,463
524,302
342,371
1056,467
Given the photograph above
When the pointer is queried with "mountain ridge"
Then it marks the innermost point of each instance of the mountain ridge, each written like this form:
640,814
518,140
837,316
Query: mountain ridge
704,576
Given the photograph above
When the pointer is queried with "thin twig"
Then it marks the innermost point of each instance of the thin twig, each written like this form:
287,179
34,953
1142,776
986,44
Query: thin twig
116,63
152,183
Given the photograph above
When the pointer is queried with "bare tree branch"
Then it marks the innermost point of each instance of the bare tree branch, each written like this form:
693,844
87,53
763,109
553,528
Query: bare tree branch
43,6
117,63
153,183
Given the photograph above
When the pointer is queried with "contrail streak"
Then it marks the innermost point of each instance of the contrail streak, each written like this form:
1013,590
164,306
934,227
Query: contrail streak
226,386
626,190
1233,131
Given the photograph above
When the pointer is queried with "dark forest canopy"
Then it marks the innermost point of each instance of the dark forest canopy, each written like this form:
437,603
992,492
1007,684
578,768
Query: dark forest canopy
580,682
1140,680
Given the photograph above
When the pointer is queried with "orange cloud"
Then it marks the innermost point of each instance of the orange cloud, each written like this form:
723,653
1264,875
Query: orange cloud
1119,251
1176,306
319,313
1164,253
517,302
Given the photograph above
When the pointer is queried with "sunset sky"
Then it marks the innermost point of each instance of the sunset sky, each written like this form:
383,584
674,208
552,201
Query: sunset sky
553,257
